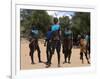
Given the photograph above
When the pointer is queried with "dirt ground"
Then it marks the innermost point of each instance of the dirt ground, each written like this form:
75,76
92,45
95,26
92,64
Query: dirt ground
26,61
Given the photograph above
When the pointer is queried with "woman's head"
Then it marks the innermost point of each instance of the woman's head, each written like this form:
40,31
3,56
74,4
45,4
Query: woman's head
82,36
55,20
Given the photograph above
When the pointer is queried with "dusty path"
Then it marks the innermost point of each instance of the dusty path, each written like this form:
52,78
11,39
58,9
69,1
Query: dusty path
26,62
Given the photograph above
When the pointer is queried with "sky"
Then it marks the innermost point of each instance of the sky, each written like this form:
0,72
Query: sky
61,13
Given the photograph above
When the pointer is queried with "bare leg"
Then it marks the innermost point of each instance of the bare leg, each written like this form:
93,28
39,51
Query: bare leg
65,56
32,58
69,56
58,54
50,58
81,57
87,58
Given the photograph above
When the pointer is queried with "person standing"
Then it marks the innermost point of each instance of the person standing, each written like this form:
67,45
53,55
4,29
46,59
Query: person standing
67,44
55,41
34,44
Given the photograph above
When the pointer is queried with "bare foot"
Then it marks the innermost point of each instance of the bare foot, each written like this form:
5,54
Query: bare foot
64,62
69,62
48,66
59,65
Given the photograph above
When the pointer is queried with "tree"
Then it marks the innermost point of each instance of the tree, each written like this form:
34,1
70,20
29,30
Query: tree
81,22
64,22
40,18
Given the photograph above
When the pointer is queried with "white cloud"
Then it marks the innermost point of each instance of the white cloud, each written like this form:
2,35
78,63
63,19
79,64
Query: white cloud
60,14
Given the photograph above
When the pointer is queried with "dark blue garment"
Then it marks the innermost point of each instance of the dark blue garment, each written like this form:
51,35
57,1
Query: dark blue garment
48,35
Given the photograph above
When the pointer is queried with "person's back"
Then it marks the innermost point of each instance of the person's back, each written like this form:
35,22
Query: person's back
68,33
34,44
83,42
55,28
48,35
35,32
55,41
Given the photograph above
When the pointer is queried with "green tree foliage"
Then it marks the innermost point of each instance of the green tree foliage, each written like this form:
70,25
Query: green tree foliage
39,18
42,20
25,21
81,22
64,22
